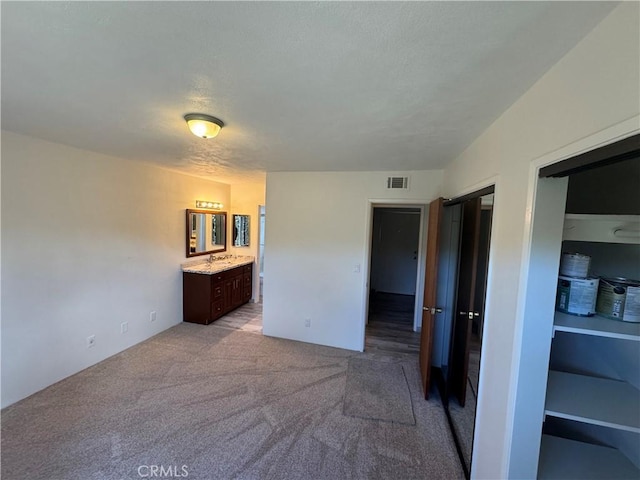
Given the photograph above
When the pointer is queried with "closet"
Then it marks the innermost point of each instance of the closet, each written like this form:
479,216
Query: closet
592,407
462,258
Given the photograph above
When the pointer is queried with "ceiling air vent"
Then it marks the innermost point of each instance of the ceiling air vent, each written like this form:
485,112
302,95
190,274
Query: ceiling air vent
398,182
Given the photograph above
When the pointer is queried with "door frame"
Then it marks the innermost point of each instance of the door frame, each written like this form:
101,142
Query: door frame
529,368
257,274
422,247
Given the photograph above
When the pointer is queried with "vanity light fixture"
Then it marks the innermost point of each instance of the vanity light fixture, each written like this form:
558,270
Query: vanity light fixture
203,126
207,204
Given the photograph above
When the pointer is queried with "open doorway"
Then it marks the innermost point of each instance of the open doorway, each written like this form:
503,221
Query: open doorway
393,279
261,214
248,317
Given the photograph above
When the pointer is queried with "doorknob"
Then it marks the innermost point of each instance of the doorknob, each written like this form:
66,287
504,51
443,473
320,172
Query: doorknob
433,310
469,314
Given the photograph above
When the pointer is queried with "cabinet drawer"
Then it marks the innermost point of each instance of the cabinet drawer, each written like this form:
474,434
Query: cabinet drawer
247,280
217,291
247,268
217,308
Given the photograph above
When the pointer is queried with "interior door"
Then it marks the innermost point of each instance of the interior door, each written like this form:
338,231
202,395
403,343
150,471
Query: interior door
465,302
429,309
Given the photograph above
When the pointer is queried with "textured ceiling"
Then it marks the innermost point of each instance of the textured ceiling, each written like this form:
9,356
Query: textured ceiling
301,86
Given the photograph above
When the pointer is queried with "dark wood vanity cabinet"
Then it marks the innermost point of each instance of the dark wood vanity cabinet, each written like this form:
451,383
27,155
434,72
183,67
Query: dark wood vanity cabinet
206,298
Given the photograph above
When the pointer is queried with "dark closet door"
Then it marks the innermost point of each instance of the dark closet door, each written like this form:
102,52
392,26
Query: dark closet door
465,300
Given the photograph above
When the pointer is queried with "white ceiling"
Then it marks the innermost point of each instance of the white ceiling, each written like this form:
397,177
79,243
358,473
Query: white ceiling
301,86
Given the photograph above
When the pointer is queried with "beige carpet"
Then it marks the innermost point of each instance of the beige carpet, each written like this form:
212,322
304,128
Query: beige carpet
377,391
218,403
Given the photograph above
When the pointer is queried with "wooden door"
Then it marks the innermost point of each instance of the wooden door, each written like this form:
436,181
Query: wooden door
465,303
429,309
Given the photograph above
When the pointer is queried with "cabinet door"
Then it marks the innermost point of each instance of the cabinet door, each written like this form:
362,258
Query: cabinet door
229,283
237,290
247,283
247,287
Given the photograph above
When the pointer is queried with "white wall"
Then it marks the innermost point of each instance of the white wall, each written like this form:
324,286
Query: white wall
592,93
318,230
245,200
88,242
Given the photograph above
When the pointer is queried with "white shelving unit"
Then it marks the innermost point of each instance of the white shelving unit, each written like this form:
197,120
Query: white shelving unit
598,401
591,400
561,459
602,228
597,326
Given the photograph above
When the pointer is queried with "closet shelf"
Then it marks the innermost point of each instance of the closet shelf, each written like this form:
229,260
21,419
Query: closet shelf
561,459
597,326
602,228
597,401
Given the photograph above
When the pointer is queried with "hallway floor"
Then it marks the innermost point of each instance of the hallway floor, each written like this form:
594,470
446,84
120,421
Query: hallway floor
390,326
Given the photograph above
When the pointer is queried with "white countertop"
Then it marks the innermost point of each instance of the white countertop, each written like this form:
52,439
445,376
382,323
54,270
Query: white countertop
218,265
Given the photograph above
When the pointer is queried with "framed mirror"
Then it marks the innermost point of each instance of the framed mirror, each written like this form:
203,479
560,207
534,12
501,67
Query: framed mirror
241,230
206,232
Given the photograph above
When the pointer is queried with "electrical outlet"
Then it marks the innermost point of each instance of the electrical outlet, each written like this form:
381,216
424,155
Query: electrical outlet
124,326
152,316
91,341
307,322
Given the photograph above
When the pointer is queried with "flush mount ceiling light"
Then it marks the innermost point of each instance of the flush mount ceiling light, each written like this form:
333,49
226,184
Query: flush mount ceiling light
203,126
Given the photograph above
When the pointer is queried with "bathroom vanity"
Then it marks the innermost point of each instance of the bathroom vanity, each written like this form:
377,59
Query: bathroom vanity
211,289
